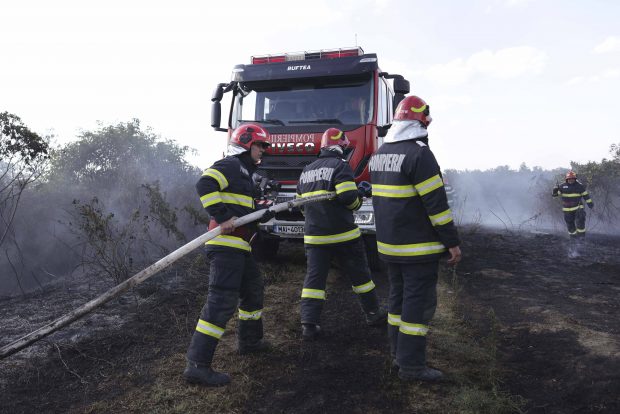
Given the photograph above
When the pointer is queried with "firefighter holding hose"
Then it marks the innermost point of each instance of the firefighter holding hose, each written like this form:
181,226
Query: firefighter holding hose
330,232
226,190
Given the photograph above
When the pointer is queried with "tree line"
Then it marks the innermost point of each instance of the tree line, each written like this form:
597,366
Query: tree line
119,197
105,205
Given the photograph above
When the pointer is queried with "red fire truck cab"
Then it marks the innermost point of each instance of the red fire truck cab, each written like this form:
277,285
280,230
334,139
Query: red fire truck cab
296,97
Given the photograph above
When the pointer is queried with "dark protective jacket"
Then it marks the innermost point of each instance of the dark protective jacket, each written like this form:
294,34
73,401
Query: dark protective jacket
413,220
226,189
571,196
331,221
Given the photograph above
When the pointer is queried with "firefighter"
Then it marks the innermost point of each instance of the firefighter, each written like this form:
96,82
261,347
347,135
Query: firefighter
330,231
572,191
414,230
226,191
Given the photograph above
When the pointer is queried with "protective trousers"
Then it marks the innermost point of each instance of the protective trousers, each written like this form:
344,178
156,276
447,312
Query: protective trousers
576,222
234,279
412,304
352,260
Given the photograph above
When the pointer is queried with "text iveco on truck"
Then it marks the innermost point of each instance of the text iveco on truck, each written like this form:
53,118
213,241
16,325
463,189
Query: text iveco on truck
296,97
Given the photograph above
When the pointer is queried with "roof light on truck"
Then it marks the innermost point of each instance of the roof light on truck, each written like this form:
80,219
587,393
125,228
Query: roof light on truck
318,54
257,60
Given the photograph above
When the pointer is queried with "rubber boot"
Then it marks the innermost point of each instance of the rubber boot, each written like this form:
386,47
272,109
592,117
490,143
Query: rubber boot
378,317
310,331
375,314
261,345
203,374
199,356
250,337
424,374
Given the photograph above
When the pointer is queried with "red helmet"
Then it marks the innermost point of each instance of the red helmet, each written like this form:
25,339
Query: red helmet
413,108
247,134
334,136
571,175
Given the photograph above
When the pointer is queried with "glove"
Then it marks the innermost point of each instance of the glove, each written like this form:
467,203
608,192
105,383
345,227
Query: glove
364,189
269,214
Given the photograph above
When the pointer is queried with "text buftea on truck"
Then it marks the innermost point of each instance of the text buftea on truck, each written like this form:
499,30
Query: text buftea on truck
296,97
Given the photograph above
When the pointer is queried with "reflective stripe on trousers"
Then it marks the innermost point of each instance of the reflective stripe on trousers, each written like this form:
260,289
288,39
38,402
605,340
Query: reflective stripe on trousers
234,281
412,304
352,259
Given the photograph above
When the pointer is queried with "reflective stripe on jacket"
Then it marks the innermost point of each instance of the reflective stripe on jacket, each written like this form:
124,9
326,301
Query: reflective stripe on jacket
571,195
414,222
331,221
226,189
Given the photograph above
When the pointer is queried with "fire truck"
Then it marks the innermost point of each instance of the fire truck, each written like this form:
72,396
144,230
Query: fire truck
296,97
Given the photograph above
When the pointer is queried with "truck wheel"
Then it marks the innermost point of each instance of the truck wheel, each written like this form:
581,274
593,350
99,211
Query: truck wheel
265,249
372,255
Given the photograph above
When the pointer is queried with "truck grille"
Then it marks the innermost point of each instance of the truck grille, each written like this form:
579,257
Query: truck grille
294,215
284,167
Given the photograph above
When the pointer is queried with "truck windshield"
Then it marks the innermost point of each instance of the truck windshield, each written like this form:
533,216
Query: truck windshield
314,102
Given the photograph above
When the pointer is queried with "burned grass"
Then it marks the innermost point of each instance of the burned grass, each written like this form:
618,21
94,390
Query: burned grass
135,365
558,330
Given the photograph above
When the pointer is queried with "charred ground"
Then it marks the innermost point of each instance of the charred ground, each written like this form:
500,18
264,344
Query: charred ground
520,326
557,317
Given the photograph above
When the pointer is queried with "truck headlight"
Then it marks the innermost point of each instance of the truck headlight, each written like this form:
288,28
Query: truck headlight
364,217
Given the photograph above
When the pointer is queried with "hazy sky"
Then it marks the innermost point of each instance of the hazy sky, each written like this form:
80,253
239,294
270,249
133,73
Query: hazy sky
508,81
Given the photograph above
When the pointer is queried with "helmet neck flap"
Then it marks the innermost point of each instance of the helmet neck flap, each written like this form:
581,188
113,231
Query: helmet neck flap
405,130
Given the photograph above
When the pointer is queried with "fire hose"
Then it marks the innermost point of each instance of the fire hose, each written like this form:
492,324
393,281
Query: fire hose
146,273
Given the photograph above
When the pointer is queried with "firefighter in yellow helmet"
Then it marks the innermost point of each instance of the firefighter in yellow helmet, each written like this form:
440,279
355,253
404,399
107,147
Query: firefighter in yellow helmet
572,192
414,230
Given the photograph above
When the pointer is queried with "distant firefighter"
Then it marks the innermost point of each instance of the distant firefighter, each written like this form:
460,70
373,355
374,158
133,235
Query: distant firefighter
572,192
450,191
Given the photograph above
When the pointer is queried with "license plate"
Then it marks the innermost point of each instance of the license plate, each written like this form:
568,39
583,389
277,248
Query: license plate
293,230
283,198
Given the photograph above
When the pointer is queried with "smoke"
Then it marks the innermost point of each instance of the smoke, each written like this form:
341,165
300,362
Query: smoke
117,197
517,200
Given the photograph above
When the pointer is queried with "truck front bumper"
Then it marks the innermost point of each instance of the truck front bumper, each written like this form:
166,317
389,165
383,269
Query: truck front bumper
287,229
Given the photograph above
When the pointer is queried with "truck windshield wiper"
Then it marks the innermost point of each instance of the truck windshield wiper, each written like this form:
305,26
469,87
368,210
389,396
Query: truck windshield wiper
271,121
264,121
318,121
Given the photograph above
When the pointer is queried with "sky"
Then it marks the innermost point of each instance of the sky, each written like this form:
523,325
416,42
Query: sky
508,81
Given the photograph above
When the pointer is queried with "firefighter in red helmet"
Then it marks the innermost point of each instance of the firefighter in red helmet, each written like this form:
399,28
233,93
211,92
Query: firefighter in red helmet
330,232
414,230
226,191
572,192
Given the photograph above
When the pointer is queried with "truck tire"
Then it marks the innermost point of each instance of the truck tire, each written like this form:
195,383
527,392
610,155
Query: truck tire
265,249
372,255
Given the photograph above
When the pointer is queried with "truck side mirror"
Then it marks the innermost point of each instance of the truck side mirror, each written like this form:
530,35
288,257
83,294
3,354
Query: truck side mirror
216,106
218,92
401,86
216,115
383,130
